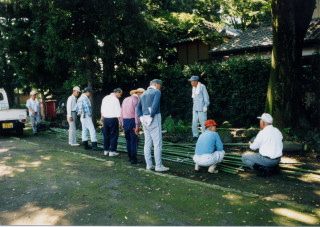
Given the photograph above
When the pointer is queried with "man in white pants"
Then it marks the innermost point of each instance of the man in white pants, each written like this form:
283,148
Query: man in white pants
72,116
201,102
148,110
33,106
84,110
209,148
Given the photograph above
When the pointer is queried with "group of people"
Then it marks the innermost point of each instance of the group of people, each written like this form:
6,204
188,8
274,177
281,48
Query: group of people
142,107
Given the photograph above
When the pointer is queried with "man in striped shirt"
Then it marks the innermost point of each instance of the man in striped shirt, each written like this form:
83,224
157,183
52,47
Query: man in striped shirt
84,110
130,123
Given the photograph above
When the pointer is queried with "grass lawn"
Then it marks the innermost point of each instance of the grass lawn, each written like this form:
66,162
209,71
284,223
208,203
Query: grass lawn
42,184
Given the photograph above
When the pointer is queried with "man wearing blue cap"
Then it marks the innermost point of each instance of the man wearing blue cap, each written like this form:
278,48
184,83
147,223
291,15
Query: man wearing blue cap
85,111
148,110
201,102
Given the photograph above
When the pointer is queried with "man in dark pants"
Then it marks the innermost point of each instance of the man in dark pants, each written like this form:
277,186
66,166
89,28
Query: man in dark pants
130,123
110,117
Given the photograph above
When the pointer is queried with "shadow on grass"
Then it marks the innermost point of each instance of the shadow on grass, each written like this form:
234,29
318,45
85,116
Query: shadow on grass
42,185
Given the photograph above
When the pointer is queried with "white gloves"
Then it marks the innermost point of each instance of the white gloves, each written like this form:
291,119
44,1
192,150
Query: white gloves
146,120
205,109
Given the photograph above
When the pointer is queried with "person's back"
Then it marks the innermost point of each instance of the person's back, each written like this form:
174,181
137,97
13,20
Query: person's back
150,98
269,142
209,148
208,142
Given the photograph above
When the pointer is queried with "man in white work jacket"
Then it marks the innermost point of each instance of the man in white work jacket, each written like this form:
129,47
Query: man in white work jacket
72,116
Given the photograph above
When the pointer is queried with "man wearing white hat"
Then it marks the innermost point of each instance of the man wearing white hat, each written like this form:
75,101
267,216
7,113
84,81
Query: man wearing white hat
269,143
130,122
72,116
33,106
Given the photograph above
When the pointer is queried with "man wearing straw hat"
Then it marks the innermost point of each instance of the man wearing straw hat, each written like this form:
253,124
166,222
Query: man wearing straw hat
130,123
72,116
33,106
209,148
148,109
269,143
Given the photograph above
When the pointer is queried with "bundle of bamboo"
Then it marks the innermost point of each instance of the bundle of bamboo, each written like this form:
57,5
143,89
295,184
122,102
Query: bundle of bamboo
183,153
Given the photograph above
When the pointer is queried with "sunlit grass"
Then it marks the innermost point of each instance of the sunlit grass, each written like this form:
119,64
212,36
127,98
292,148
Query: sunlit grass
297,216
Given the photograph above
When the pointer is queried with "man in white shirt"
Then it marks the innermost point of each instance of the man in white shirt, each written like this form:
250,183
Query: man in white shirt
110,117
269,143
33,106
72,116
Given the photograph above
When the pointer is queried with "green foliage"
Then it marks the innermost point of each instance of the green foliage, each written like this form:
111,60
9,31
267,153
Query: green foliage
237,90
181,127
226,124
169,125
241,14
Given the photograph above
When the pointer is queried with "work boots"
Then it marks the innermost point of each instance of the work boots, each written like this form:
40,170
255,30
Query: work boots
95,147
86,145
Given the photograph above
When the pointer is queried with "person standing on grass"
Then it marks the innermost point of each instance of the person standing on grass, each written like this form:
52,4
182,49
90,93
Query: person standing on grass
33,106
209,148
201,102
130,123
72,116
110,117
84,109
270,145
148,110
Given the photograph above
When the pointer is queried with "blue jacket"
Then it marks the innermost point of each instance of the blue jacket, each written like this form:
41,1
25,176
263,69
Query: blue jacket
201,100
208,142
150,98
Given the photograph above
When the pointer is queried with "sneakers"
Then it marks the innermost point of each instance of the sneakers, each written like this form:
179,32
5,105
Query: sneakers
161,169
113,153
196,167
106,153
149,167
212,169
74,144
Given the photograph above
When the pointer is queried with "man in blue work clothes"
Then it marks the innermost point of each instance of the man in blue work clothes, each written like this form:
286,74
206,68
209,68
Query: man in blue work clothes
209,148
148,110
84,109
200,105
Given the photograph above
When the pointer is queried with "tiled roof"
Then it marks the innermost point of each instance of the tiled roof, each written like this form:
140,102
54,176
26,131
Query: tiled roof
225,31
261,38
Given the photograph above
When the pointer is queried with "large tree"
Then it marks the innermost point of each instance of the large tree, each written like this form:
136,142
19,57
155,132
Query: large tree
290,21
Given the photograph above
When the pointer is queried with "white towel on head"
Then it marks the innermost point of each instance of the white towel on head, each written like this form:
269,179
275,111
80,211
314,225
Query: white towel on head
196,90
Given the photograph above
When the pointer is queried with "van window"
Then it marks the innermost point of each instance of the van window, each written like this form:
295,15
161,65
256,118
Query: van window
1,97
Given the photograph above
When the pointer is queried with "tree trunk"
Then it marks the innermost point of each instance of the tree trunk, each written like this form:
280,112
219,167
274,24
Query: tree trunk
290,21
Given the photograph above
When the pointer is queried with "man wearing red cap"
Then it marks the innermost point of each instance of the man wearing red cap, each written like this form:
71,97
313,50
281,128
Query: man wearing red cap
209,148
